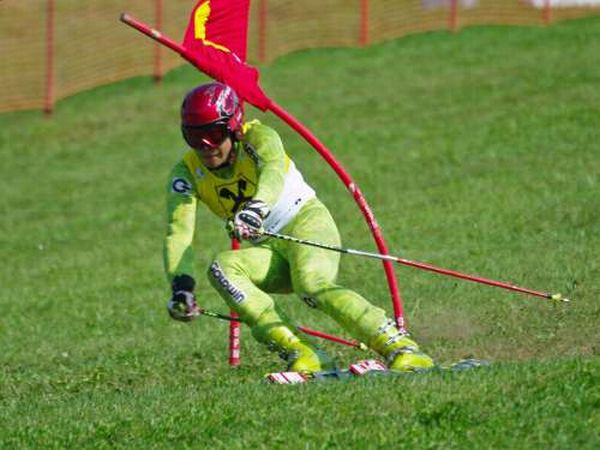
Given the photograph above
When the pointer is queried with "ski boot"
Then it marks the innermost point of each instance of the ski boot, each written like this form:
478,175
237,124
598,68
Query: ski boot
402,354
300,355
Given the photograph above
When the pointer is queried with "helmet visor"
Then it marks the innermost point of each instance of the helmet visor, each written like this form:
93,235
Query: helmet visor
205,136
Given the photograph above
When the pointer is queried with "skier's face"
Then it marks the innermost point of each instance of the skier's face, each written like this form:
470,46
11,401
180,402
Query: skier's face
213,157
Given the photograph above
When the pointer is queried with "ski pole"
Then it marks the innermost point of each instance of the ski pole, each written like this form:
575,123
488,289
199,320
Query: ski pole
419,265
303,329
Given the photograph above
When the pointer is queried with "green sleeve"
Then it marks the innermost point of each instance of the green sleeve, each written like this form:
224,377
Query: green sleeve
181,218
272,162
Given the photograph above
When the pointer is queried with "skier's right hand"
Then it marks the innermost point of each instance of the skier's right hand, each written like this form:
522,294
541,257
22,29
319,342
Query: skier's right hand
248,222
182,305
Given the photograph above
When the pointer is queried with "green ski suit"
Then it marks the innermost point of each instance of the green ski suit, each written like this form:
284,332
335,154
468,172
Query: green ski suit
244,278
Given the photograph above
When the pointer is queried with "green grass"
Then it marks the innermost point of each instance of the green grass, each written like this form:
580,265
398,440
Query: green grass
478,151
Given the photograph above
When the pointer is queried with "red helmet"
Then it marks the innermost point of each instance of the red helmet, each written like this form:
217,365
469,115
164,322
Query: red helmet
209,114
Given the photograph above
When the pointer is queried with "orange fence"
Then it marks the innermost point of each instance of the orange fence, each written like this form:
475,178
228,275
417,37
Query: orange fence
53,48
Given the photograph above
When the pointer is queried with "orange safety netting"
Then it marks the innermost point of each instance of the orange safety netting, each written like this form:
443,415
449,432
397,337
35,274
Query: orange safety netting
90,46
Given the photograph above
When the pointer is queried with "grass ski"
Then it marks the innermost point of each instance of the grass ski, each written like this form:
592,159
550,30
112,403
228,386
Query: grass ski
367,368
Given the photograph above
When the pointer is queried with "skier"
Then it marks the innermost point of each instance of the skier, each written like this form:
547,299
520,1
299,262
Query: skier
242,173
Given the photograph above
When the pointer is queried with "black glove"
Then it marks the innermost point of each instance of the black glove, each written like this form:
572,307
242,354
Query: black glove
182,305
248,222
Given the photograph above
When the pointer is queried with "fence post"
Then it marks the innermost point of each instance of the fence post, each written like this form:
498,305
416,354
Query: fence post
49,97
158,19
364,23
453,15
547,12
262,30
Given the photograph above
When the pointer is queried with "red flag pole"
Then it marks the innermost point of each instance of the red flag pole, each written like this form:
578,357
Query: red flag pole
157,47
154,34
320,148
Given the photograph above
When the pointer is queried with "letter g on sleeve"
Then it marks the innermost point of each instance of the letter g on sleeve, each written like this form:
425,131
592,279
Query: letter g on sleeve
181,186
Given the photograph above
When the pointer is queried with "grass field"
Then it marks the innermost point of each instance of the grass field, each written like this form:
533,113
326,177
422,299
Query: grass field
478,151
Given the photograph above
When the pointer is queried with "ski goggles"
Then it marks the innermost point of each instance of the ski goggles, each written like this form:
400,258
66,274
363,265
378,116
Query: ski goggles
205,136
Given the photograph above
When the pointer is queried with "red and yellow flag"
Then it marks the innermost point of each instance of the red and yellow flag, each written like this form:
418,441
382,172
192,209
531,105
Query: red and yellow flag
216,38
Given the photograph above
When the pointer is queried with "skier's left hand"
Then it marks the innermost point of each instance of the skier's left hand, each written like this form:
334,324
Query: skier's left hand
248,222
182,305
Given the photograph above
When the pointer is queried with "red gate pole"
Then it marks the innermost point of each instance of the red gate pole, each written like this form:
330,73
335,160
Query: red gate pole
157,47
234,328
49,98
262,30
364,23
